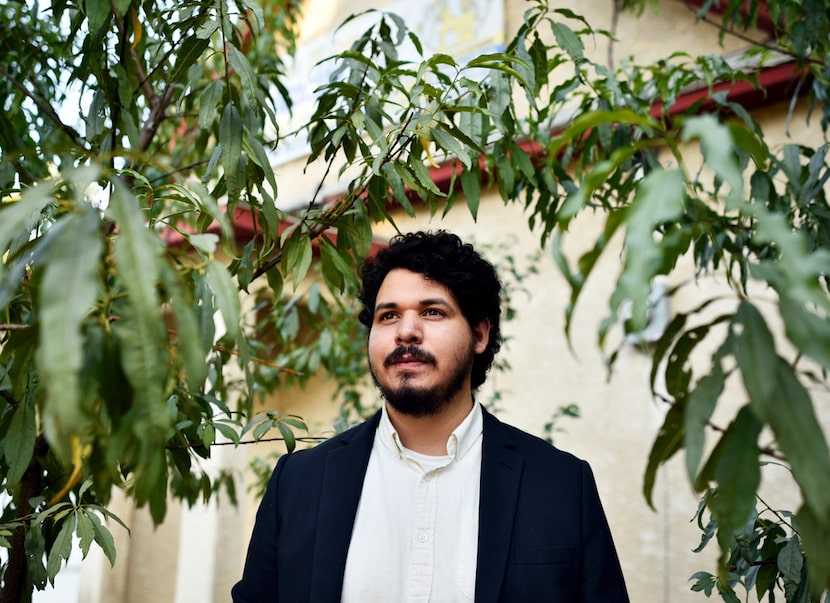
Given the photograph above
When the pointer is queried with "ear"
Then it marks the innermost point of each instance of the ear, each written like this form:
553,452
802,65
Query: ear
481,335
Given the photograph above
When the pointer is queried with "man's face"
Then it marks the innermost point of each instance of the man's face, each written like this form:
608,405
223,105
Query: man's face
421,346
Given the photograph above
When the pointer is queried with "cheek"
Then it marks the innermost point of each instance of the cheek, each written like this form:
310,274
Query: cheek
373,345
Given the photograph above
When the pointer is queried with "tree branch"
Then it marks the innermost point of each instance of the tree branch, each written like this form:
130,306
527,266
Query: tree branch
768,44
46,109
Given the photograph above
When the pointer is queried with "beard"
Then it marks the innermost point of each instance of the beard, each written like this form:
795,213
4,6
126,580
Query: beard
410,399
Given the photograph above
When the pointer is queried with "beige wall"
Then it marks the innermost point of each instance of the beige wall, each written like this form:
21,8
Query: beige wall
197,555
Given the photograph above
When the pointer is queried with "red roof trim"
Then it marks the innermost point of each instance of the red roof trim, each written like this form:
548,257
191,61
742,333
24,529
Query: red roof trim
245,228
773,83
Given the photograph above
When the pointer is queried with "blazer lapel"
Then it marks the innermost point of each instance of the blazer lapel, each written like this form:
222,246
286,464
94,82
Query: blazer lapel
501,471
343,477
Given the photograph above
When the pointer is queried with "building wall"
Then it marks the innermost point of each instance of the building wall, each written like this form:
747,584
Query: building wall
196,555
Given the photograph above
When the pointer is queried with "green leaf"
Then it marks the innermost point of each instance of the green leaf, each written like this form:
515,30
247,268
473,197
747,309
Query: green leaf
255,9
797,271
103,538
207,29
727,593
151,485
228,431
809,332
790,561
329,253
778,398
668,441
501,63
122,6
701,403
209,102
35,546
275,281
397,186
586,263
21,216
815,534
225,295
451,145
737,472
471,185
424,178
20,443
144,362
568,41
230,140
288,436
97,11
246,73
86,532
205,243
190,51
61,548
141,333
67,294
297,257
659,199
590,120
188,339
253,146
718,150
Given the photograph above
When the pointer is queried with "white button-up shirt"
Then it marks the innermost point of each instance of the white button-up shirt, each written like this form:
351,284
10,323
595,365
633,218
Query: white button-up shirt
415,536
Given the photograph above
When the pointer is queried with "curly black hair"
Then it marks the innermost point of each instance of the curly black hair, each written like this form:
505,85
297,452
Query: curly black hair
442,257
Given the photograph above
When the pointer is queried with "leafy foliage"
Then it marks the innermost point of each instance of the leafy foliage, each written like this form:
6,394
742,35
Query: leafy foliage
131,212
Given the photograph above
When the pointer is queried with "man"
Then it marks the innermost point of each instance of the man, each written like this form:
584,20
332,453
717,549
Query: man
433,499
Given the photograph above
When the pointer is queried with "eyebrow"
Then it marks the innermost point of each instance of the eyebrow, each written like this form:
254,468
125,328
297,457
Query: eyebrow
424,303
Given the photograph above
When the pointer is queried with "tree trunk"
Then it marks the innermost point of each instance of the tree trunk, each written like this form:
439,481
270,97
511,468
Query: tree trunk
16,586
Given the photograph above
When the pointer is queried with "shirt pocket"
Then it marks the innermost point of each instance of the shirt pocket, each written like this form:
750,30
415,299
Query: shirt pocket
543,555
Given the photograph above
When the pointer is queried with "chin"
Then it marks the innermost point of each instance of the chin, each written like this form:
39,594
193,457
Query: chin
414,402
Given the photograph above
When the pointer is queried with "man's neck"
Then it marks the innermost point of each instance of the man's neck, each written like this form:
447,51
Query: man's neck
429,434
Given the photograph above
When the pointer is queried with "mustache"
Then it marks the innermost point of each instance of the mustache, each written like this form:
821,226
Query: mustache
410,352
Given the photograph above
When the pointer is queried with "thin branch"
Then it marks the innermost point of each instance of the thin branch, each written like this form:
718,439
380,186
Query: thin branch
260,361
615,21
46,109
780,517
182,168
768,44
309,439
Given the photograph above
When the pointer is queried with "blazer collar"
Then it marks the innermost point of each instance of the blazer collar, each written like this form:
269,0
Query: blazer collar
501,470
345,469
343,476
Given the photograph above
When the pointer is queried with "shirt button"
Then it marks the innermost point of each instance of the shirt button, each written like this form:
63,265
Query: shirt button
422,537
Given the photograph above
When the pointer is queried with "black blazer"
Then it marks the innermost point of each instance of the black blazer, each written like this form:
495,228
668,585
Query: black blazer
543,536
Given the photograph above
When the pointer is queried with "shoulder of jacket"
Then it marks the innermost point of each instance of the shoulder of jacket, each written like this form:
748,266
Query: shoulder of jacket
526,443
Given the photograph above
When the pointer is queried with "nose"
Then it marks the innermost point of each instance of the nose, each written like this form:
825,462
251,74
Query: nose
409,329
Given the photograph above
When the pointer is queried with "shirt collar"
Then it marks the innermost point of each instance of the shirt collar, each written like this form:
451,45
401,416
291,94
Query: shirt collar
460,442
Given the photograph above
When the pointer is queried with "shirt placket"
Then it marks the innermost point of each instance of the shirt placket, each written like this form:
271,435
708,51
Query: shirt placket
422,557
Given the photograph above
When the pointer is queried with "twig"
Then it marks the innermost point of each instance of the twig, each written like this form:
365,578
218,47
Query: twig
50,113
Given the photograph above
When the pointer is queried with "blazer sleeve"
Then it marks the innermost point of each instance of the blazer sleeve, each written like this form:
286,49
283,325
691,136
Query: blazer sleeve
602,577
259,583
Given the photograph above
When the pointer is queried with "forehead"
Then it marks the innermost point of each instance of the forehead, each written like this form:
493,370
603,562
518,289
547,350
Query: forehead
405,286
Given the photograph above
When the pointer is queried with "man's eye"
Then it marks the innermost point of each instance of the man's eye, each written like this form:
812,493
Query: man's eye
433,312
